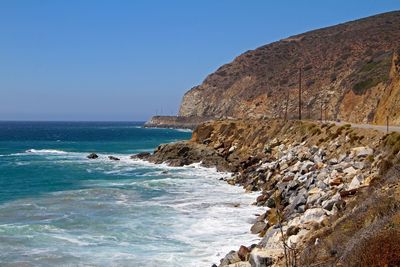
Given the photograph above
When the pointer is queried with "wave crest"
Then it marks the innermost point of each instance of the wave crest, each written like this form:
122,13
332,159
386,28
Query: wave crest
45,151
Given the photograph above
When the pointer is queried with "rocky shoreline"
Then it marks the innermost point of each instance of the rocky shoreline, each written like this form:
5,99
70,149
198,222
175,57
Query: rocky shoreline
330,192
308,175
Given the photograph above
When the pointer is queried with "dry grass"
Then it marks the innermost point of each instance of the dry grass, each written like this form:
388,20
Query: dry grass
381,250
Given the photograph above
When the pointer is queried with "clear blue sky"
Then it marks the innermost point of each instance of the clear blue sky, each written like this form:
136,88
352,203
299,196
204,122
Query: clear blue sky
125,60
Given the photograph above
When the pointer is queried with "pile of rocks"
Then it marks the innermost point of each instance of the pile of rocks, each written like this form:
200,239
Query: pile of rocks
302,186
185,153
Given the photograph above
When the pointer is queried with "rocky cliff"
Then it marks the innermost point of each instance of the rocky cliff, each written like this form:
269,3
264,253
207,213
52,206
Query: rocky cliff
349,71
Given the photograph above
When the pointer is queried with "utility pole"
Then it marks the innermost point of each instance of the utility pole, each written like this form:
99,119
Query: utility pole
300,94
387,124
322,105
287,104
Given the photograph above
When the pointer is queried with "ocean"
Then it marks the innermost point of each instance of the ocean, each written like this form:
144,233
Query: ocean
58,208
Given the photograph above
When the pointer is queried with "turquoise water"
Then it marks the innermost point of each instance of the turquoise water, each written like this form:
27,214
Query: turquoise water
57,208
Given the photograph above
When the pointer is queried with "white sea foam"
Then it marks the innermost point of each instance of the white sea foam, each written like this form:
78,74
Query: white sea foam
184,130
218,215
15,154
22,163
188,217
72,240
215,217
45,151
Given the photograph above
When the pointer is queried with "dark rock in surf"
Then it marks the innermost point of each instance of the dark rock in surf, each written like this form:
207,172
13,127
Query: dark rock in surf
142,155
92,156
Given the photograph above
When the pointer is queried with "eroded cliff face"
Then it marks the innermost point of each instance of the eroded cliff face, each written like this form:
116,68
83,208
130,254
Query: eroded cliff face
348,71
389,105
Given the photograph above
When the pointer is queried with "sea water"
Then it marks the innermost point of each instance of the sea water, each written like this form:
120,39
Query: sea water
58,208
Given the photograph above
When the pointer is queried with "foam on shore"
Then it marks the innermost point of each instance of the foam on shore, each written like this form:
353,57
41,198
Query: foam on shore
132,212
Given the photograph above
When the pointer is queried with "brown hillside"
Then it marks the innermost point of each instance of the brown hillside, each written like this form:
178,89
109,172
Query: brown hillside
350,69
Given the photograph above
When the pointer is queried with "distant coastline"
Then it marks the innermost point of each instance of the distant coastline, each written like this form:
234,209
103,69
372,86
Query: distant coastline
176,122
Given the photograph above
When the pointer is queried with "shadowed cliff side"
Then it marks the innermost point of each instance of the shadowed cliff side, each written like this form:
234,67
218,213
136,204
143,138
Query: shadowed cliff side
389,104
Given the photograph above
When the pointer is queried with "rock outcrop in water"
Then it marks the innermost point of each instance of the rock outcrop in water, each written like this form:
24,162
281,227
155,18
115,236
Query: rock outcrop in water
317,182
141,155
186,153
113,158
92,156
349,70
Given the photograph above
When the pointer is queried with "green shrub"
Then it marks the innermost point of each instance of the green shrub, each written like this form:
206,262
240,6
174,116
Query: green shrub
370,158
369,66
361,87
371,73
392,142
